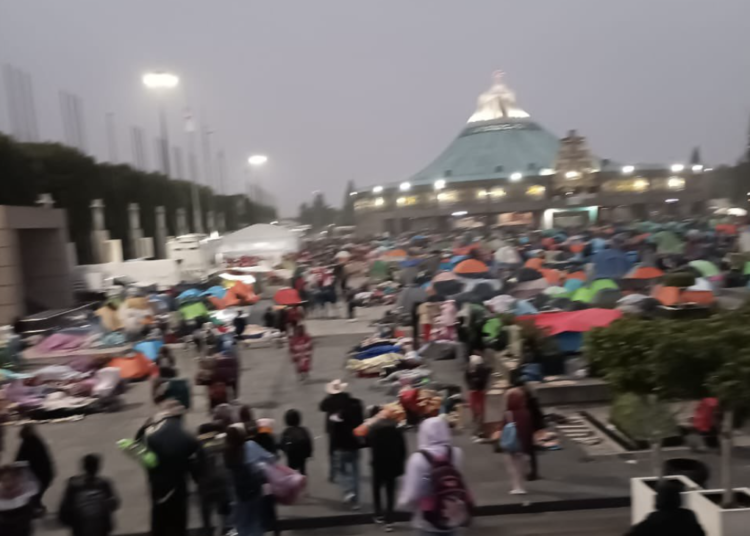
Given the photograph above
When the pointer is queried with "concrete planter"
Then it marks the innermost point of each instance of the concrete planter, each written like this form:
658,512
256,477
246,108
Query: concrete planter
717,521
642,495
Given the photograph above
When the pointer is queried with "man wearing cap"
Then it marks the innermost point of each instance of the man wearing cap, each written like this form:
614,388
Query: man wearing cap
344,413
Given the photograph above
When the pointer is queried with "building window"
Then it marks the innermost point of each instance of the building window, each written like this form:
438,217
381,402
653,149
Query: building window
535,191
675,183
447,197
406,201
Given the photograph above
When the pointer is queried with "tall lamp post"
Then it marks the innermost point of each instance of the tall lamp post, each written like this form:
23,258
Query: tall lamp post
256,161
160,82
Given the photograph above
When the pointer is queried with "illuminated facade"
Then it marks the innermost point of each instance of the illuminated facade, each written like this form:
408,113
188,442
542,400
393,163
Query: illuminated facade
506,169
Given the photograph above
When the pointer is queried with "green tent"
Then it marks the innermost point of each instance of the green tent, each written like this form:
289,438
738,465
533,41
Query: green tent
191,311
379,270
601,284
583,294
706,268
668,243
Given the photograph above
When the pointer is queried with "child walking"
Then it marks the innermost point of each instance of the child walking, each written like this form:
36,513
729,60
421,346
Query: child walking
296,442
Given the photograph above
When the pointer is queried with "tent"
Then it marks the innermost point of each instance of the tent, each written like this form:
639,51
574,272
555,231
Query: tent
568,327
606,298
471,268
215,291
191,311
601,284
671,296
379,270
571,285
134,367
190,294
644,272
706,268
611,264
260,239
583,295
149,348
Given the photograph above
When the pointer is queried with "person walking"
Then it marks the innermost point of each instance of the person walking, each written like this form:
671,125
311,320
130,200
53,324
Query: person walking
296,442
537,421
477,378
517,451
670,518
344,414
89,501
241,459
300,348
18,491
35,452
213,482
179,454
434,489
387,459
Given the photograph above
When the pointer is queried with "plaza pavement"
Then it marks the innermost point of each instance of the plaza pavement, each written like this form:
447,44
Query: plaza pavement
269,385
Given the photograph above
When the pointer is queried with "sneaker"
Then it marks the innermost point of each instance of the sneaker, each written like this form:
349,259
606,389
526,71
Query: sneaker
388,528
349,498
518,492
378,520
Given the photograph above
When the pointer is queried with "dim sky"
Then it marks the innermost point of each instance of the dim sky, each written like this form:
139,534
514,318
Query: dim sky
372,90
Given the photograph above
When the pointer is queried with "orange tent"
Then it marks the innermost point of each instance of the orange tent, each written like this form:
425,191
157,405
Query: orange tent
645,272
536,263
471,267
577,248
135,367
552,276
395,253
673,296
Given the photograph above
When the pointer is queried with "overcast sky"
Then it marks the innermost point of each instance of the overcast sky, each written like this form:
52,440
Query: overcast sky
373,90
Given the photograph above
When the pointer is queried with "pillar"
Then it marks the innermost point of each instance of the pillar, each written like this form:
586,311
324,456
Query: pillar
99,235
160,232
221,222
210,224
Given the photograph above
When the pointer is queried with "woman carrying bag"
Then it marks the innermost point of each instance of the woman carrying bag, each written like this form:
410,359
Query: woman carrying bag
517,438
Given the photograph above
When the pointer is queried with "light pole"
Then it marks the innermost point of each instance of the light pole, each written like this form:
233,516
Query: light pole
256,161
159,82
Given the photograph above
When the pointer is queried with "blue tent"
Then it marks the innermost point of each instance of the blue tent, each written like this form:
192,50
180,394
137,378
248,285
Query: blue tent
611,264
458,258
189,294
410,263
571,285
569,341
215,291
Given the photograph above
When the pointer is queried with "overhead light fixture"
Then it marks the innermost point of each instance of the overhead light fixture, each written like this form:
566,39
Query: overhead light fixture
671,200
379,202
257,160
377,189
676,168
627,170
697,168
440,184
517,176
459,213
675,183
482,193
400,200
352,194
547,171
572,174
404,186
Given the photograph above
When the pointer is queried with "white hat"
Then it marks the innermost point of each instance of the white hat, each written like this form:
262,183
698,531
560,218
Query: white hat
336,386
476,360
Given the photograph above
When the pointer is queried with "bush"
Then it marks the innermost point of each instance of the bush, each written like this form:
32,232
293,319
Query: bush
642,421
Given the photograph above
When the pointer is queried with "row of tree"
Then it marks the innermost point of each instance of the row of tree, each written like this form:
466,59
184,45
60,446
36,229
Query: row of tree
74,180
664,361
319,214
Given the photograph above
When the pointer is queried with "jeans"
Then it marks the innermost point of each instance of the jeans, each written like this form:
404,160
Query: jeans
248,517
347,471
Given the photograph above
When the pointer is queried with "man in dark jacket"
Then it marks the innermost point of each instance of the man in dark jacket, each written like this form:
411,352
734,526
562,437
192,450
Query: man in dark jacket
669,519
388,458
34,451
178,453
89,501
344,413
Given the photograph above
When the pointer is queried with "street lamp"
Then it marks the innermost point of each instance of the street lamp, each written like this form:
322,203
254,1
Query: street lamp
160,81
256,161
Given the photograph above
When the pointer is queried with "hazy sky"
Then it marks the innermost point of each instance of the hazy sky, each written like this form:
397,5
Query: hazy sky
372,90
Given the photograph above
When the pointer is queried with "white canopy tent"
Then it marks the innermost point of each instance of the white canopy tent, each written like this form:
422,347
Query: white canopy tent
261,240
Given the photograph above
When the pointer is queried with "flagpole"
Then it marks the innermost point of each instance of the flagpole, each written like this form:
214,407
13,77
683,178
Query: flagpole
197,214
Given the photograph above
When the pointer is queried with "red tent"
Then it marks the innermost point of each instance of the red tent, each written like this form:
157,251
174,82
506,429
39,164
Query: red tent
578,321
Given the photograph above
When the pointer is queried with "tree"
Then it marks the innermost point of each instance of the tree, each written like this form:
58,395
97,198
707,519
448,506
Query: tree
347,207
695,156
319,214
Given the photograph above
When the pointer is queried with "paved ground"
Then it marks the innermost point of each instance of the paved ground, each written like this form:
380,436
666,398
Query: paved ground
269,385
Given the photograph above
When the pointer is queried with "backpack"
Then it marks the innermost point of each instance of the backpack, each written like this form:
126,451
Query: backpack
450,504
509,439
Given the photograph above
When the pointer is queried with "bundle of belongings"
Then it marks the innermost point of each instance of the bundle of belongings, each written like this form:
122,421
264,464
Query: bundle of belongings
60,391
374,354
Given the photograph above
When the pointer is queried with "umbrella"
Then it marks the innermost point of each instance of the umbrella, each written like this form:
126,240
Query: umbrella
644,272
607,298
528,274
529,289
448,287
706,268
287,296
668,243
572,285
458,258
471,268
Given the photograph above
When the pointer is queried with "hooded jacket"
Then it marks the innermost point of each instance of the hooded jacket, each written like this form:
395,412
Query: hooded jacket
434,438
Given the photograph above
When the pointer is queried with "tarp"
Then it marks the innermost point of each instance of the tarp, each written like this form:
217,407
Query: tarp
577,321
260,239
611,264
287,296
149,348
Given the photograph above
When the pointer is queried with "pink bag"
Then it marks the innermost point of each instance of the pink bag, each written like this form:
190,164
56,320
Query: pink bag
286,484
